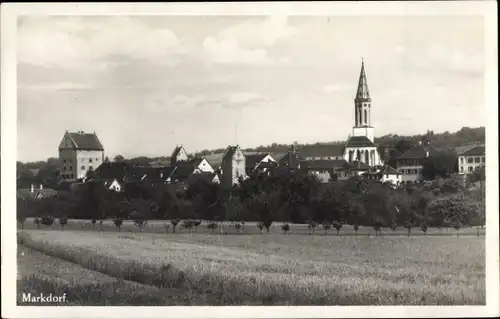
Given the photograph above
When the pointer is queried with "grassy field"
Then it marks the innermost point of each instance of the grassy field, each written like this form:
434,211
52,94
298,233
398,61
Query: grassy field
269,269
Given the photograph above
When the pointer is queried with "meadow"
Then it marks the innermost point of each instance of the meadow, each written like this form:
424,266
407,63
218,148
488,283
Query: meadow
247,268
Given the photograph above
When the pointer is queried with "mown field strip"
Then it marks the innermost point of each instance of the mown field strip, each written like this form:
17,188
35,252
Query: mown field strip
40,273
285,269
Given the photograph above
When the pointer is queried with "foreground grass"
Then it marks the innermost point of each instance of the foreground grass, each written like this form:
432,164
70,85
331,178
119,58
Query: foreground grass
283,270
39,273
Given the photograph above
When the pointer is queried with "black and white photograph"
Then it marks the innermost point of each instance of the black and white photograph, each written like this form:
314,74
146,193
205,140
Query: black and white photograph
250,158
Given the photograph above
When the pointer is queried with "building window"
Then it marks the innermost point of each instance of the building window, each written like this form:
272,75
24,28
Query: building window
461,169
470,169
71,176
483,159
408,171
415,171
83,167
477,160
90,160
71,168
64,161
470,160
461,160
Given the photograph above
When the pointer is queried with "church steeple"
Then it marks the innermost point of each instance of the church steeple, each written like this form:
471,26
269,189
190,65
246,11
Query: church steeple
363,93
362,102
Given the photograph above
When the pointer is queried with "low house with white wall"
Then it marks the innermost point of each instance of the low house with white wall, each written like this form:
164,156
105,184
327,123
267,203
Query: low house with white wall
410,163
384,174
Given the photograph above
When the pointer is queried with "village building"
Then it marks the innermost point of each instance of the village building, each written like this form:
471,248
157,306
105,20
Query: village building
233,167
410,163
291,159
179,154
471,160
326,170
79,153
259,163
384,174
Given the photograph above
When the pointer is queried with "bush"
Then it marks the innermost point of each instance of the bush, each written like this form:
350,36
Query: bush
140,223
260,226
47,221
337,225
213,226
174,223
237,226
424,227
37,221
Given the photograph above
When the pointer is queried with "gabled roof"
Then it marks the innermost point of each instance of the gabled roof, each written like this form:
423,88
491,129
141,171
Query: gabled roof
253,159
321,150
419,151
182,172
230,151
176,151
215,160
478,150
85,141
324,164
359,141
196,161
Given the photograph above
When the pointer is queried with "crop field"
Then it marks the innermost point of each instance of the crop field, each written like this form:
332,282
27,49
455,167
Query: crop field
200,268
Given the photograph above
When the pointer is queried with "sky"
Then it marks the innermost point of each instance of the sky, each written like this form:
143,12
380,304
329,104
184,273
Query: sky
145,84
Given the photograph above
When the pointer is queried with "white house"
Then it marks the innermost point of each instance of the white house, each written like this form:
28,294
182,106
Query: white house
384,174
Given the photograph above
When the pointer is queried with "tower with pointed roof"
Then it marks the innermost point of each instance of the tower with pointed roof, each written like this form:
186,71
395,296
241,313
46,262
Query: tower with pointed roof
360,146
362,108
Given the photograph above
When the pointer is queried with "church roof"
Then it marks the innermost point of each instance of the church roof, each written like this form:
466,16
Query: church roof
321,150
362,92
359,141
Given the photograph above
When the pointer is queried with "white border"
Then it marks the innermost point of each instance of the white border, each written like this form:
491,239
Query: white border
9,13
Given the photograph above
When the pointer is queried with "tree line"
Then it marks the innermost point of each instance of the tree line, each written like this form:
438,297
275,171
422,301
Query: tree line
284,196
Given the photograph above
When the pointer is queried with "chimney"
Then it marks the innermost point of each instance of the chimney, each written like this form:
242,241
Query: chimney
32,188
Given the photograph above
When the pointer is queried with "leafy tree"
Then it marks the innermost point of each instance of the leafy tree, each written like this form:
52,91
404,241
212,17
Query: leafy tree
63,221
424,227
457,224
286,228
326,226
238,227
119,159
337,225
118,223
356,228
260,226
196,224
403,145
394,226
311,225
93,222
442,164
37,222
174,223
409,226
140,223
166,226
377,225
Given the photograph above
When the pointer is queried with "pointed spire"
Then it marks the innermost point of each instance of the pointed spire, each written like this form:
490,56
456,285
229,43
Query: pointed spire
362,92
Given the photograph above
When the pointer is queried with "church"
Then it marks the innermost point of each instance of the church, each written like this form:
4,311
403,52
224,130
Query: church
360,145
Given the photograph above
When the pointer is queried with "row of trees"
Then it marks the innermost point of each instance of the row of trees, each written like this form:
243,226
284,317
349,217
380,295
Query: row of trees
284,196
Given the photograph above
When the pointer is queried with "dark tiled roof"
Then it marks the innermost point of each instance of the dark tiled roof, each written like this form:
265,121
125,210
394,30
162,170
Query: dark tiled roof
112,171
196,161
254,159
357,165
419,151
321,150
359,141
182,172
291,159
86,141
478,150
215,160
324,164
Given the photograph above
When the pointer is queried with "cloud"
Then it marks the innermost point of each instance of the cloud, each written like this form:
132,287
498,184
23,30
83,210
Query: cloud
81,41
248,42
